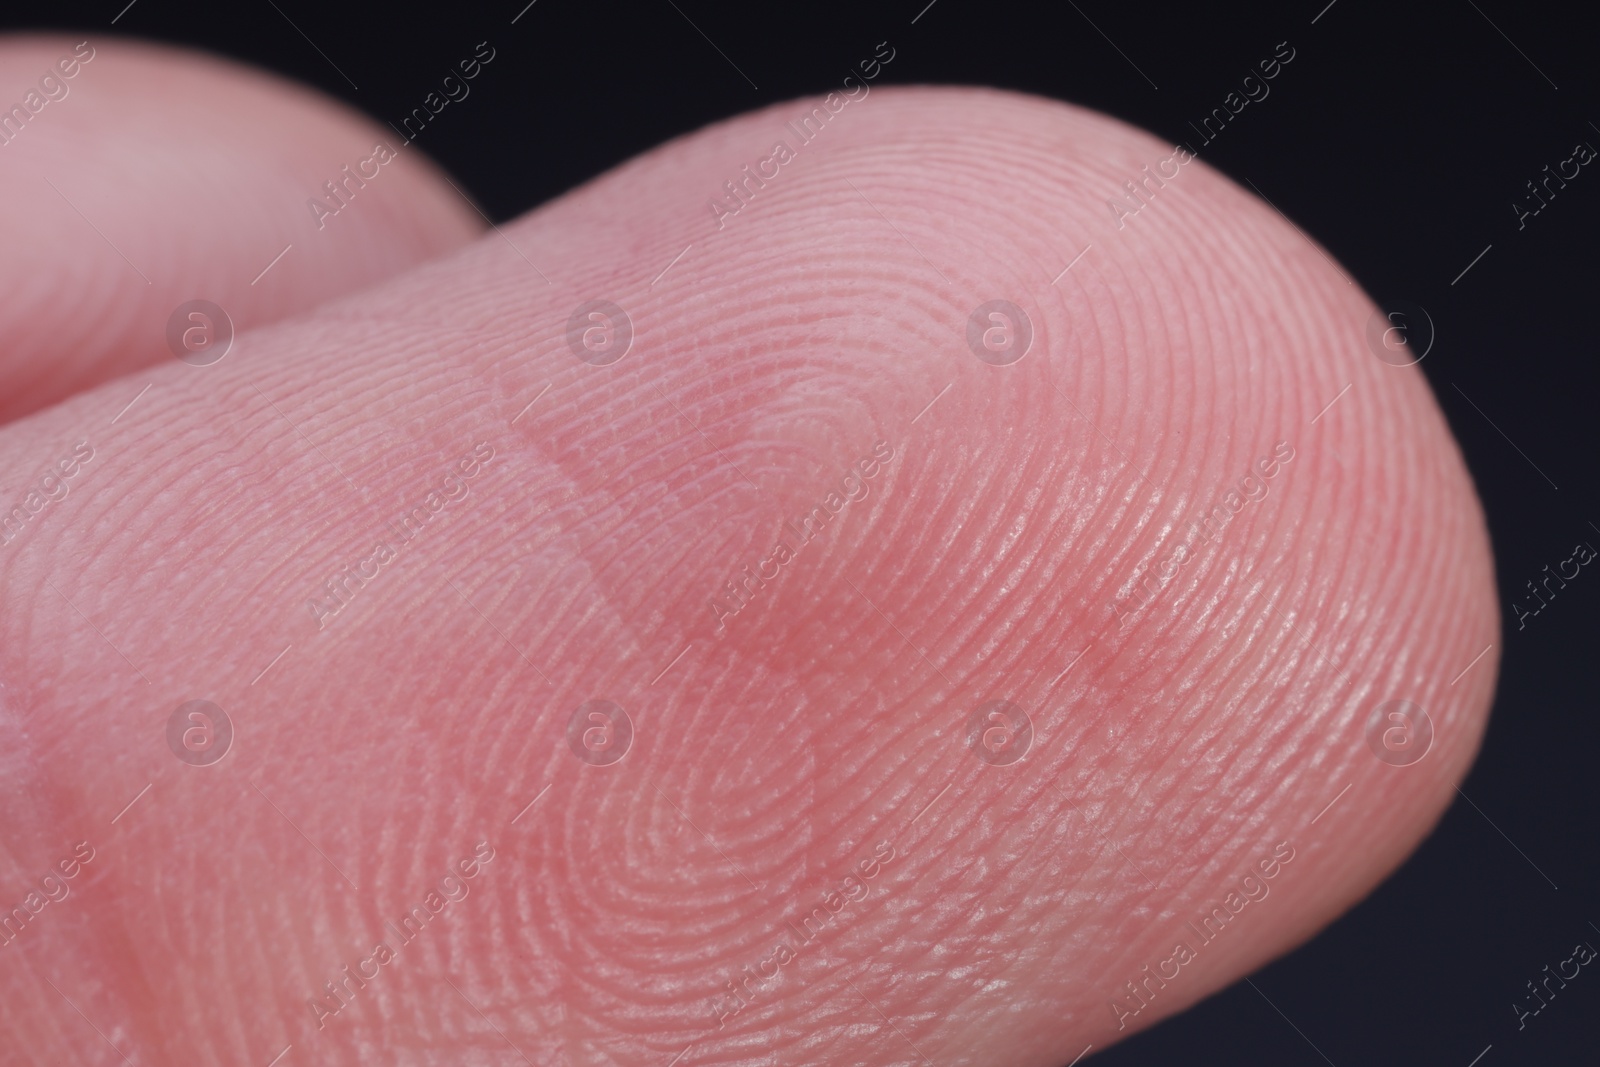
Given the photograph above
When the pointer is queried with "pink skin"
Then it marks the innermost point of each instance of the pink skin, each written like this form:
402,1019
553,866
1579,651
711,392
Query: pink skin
198,171
1008,905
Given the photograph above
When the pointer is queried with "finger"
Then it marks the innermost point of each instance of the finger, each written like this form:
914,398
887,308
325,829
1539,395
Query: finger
153,176
408,542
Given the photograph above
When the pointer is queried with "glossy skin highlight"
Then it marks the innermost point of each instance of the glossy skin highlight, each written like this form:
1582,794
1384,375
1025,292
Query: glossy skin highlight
801,772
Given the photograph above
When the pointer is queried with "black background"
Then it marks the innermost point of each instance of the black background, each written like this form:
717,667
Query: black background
1397,139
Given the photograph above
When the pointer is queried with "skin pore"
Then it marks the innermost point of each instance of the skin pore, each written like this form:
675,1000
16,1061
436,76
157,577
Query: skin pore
804,837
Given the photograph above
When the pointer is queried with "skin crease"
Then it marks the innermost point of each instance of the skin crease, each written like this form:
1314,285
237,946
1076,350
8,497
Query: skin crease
823,726
198,171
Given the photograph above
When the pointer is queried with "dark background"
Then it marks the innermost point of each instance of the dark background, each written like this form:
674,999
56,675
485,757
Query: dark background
1397,139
